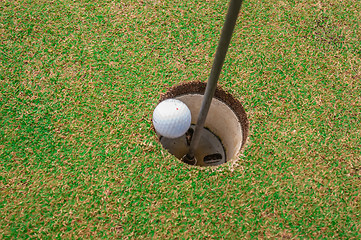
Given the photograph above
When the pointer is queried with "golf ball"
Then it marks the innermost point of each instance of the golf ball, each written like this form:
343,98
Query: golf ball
171,118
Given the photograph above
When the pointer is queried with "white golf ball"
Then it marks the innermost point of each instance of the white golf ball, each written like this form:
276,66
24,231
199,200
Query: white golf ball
171,118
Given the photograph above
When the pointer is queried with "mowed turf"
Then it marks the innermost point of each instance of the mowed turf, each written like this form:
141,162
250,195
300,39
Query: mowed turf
79,81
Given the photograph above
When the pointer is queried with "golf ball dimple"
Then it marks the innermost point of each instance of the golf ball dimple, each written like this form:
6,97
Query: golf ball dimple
171,118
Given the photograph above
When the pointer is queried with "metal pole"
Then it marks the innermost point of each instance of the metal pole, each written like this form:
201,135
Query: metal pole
226,35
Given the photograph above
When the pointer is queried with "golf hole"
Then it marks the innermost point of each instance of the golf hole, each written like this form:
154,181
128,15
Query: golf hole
225,131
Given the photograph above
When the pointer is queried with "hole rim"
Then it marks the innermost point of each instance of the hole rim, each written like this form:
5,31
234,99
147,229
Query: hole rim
197,87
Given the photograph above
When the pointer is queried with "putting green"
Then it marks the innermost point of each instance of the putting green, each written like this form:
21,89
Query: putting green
79,81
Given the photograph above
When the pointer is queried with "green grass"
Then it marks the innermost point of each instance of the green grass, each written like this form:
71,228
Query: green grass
79,81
